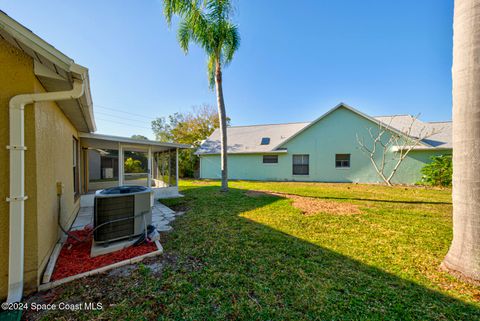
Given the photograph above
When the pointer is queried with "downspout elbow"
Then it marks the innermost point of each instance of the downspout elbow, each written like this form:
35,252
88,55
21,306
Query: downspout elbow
20,101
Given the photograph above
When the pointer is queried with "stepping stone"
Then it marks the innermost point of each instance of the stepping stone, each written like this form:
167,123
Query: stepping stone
168,215
162,222
165,210
164,228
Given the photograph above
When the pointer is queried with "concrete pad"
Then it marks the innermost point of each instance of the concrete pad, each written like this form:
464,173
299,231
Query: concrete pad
101,249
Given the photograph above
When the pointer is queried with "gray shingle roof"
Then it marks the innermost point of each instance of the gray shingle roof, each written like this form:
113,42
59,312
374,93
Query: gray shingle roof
442,137
247,139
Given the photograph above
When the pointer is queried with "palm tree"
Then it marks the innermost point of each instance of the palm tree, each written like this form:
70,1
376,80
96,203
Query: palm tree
464,253
207,23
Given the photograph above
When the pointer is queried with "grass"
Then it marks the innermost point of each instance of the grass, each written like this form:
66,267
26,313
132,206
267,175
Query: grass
233,256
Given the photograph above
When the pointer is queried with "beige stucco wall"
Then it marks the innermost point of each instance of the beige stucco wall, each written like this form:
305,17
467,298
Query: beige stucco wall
48,159
54,159
16,76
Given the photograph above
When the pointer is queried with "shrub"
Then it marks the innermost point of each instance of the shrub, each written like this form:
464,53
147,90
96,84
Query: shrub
133,166
438,172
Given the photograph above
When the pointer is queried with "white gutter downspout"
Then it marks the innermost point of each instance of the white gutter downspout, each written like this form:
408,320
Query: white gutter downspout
17,181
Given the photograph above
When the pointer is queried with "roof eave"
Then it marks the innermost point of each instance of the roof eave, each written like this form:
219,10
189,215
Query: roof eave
421,148
283,151
28,39
127,140
23,34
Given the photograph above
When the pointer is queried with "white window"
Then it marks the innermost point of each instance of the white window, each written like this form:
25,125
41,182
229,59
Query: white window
342,160
270,159
300,165
76,188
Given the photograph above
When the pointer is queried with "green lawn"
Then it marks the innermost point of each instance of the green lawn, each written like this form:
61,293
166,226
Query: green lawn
233,256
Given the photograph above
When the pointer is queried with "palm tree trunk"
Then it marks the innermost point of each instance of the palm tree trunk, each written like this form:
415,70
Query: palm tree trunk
223,125
464,253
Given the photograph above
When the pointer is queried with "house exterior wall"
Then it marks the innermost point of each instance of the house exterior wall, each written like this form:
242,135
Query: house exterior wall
48,159
334,134
54,162
17,77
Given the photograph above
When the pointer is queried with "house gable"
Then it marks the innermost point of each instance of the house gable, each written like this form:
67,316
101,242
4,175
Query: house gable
373,123
335,133
337,128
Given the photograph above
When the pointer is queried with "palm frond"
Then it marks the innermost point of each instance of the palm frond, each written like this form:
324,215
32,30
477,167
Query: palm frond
232,41
219,10
184,34
206,23
211,65
175,7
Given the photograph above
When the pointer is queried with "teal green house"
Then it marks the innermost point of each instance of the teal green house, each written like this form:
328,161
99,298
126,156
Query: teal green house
328,149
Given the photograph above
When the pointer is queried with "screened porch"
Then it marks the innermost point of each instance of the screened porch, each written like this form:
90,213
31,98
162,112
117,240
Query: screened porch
108,161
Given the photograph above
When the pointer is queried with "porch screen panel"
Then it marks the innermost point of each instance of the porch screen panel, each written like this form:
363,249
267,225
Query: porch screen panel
166,168
173,167
102,168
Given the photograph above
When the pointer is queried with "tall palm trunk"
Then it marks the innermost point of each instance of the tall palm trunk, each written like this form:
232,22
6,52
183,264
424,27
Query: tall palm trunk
223,125
464,253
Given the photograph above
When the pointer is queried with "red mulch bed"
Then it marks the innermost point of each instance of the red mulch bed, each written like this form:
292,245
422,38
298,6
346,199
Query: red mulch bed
75,257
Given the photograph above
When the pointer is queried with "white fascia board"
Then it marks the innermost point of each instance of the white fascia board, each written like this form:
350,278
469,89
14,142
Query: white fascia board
131,140
34,42
270,152
40,46
420,148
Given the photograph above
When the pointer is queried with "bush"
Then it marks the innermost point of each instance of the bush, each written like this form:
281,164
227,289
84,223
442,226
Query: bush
188,163
438,172
133,166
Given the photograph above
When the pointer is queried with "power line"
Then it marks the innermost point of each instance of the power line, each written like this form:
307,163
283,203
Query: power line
121,123
121,117
125,112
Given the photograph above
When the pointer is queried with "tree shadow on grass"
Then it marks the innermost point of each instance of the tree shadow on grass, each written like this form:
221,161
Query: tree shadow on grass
219,265
364,199
379,200
250,270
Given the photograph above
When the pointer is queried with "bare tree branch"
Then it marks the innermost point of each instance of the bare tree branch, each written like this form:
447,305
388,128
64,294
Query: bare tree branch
399,144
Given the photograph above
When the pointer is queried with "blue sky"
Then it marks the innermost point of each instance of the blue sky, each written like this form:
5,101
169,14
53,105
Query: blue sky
297,59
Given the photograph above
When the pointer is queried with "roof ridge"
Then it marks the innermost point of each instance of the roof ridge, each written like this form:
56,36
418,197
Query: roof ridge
393,115
439,121
291,123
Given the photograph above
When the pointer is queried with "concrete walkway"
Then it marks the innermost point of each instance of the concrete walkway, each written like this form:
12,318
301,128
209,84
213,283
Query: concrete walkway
162,216
84,218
